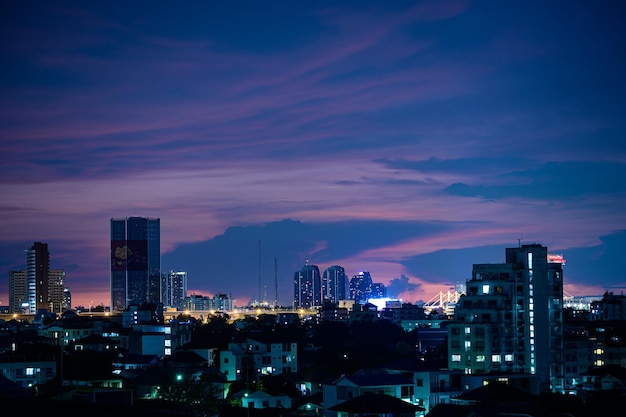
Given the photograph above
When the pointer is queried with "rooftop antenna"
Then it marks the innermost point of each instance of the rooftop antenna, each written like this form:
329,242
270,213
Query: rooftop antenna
259,270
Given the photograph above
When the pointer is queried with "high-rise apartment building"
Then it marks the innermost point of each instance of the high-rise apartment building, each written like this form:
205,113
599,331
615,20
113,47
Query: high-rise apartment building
307,287
56,291
135,262
361,287
18,292
511,319
37,268
174,289
37,289
334,284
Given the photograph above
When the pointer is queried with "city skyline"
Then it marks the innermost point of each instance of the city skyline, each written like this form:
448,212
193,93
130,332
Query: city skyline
410,140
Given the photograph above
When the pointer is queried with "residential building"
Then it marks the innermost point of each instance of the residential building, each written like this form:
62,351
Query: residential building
37,269
18,292
174,288
37,289
147,313
361,287
330,311
135,262
67,299
433,384
222,302
56,291
611,307
161,340
335,284
367,381
261,399
307,287
219,302
511,319
264,357
28,371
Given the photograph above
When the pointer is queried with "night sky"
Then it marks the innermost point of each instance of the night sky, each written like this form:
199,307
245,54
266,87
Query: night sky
410,139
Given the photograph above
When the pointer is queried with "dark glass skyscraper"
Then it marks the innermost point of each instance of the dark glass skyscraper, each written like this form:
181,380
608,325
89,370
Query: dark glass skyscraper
135,262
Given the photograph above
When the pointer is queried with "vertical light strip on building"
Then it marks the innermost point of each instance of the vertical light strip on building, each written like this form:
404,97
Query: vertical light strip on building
531,314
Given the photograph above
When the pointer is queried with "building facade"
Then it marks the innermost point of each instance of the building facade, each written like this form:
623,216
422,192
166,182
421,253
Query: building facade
307,287
18,292
57,301
511,319
361,287
37,268
256,357
135,262
334,284
174,289
37,289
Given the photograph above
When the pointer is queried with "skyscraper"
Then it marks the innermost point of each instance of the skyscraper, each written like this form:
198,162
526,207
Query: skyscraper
511,319
361,287
37,289
334,284
307,287
56,291
18,292
174,288
37,269
135,262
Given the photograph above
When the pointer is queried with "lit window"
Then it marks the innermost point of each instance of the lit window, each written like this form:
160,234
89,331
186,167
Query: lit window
486,289
468,330
480,358
508,357
456,358
495,358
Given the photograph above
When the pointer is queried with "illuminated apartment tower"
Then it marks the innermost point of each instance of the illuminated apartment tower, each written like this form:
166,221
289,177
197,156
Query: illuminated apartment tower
56,291
37,268
361,287
135,262
307,287
334,284
510,319
174,287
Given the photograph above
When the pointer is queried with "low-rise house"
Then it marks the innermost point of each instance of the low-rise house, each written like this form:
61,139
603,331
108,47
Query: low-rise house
269,356
495,399
368,381
28,370
376,405
604,378
261,399
134,361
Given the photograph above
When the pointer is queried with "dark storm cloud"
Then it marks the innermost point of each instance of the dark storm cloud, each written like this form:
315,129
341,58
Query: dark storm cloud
552,180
